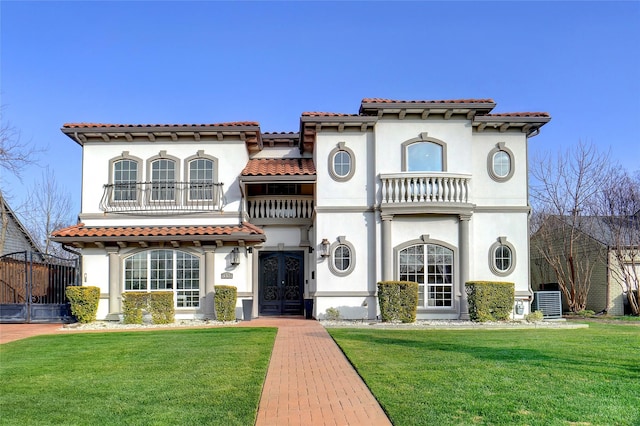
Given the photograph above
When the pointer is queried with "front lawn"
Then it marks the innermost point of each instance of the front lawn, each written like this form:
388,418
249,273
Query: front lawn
501,377
199,377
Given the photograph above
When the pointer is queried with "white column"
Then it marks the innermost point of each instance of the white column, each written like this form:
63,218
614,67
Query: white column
387,252
463,244
209,280
115,290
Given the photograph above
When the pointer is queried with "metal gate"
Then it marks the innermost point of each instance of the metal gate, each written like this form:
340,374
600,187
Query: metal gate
33,287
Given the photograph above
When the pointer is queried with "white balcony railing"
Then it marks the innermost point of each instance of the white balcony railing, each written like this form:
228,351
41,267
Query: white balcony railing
280,207
425,188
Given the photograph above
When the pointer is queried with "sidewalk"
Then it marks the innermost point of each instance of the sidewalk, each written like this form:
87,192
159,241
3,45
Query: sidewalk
309,381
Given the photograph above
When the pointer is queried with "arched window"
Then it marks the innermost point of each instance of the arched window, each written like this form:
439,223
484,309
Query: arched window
424,157
342,260
500,163
163,179
502,257
342,257
431,266
125,176
342,163
424,154
165,270
201,179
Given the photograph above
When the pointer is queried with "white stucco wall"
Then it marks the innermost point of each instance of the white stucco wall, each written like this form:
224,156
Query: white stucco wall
232,158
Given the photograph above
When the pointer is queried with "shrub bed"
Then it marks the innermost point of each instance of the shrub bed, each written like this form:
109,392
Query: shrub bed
133,303
159,304
490,300
84,302
398,301
225,302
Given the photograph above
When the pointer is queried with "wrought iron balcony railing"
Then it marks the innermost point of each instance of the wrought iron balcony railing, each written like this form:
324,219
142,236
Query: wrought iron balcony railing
162,197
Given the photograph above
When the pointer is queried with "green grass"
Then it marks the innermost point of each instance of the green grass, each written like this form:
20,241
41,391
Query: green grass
177,377
501,377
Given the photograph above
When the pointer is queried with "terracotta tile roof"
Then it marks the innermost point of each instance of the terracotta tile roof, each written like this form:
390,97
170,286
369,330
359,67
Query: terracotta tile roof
450,101
81,231
516,114
279,167
106,125
327,114
279,134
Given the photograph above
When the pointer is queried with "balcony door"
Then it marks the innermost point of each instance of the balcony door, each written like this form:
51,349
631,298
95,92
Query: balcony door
281,278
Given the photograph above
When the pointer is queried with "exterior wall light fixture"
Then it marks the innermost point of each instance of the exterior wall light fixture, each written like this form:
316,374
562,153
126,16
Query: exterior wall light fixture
235,256
324,248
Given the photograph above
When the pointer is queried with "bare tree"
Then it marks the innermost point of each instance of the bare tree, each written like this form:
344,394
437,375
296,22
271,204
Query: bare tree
15,155
563,193
48,207
620,219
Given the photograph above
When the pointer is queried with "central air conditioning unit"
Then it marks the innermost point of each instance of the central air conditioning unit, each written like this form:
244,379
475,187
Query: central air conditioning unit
549,303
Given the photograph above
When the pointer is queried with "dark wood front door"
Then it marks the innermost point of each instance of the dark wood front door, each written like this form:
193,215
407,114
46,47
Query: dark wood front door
280,281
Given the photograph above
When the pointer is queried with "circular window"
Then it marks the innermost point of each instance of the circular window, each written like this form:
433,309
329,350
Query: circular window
342,259
502,257
500,163
342,163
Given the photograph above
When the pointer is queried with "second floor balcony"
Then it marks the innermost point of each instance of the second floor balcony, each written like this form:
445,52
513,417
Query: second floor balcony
285,209
154,198
425,190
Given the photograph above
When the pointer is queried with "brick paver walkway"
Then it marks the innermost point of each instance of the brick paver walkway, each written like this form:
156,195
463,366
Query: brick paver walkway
309,381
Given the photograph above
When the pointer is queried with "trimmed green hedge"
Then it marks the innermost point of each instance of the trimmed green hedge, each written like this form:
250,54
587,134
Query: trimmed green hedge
225,302
490,300
133,303
398,301
161,307
158,303
84,302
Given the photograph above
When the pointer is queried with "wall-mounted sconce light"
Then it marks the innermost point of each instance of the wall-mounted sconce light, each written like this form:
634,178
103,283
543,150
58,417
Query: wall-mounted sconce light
324,248
235,256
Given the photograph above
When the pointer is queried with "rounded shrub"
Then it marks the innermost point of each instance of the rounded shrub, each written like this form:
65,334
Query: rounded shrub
84,302
225,302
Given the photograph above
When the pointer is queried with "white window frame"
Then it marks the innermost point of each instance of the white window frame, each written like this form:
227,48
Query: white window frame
185,296
168,184
342,242
424,138
501,242
491,169
425,288
341,148
206,184
112,178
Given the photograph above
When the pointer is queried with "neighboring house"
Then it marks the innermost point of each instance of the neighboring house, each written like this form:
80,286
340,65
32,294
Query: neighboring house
14,236
427,191
608,245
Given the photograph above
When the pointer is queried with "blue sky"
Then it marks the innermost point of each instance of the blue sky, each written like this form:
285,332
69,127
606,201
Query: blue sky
209,62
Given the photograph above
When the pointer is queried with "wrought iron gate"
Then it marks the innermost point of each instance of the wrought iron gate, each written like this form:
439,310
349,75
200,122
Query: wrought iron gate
33,287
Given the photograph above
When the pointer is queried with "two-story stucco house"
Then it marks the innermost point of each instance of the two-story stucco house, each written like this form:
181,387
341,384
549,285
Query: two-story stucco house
427,191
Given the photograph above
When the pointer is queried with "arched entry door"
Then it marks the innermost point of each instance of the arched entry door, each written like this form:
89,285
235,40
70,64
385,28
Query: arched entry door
281,283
